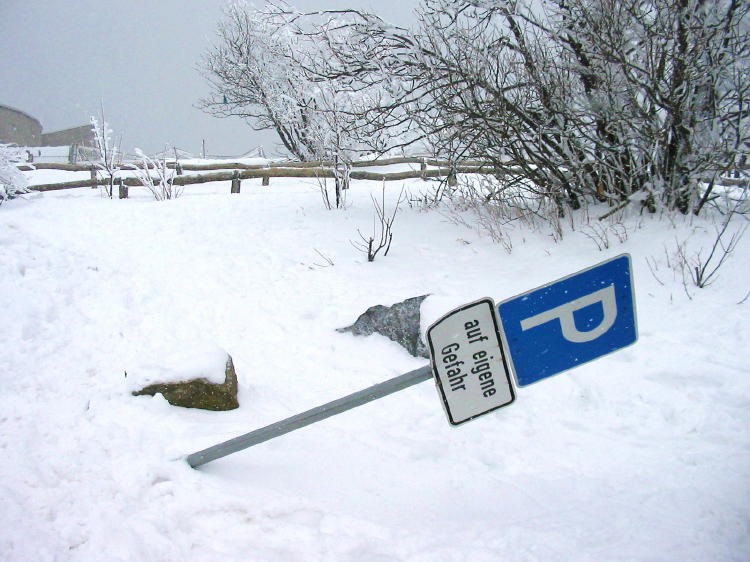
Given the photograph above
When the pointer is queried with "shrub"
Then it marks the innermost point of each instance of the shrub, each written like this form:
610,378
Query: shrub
12,181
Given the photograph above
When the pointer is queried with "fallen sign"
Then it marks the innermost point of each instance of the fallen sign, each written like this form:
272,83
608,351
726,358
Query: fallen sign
471,364
542,332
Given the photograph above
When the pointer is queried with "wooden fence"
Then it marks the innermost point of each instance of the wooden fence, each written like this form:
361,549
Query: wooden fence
229,165
237,171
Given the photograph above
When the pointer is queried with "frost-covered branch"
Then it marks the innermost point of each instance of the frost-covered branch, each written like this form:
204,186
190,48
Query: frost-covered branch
109,159
382,230
12,181
156,176
270,67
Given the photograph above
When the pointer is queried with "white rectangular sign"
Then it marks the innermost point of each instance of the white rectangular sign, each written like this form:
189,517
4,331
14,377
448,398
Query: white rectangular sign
468,362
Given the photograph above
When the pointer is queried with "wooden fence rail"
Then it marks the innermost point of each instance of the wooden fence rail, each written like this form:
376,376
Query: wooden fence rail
275,173
228,165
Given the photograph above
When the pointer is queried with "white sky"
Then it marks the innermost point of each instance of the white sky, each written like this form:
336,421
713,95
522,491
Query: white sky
61,59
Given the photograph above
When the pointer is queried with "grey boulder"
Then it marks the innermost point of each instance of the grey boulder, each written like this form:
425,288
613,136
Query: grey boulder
399,323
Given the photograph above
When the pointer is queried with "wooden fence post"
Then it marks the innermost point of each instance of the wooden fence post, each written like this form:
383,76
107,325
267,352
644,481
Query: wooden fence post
266,180
423,169
236,182
93,176
452,178
123,189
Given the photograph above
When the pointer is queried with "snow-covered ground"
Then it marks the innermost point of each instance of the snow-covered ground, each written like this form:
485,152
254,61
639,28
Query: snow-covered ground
641,455
58,154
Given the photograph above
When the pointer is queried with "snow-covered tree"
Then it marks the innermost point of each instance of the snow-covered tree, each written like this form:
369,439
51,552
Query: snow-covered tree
608,99
109,157
618,100
271,67
597,98
12,181
667,86
251,77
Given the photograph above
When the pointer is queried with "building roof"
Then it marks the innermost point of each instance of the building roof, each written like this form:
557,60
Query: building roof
2,106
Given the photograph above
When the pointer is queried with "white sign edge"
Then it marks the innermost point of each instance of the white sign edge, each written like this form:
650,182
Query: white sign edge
510,379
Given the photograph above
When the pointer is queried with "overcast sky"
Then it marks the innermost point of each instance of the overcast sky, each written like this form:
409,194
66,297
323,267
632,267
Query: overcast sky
61,59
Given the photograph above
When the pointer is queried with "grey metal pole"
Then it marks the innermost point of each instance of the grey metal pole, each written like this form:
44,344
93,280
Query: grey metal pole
310,416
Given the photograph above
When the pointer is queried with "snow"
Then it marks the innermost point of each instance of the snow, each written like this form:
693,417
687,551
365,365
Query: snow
641,455
43,176
48,153
248,161
188,360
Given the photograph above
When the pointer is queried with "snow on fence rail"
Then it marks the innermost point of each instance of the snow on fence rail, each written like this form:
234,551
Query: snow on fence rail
271,173
240,171
230,165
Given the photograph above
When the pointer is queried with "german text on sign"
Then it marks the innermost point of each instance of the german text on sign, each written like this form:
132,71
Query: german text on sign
468,362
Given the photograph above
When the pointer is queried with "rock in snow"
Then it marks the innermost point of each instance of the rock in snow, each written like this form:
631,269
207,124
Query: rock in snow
399,323
199,392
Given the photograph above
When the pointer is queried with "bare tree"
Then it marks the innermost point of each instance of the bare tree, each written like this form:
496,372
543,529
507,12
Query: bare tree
108,154
266,69
619,101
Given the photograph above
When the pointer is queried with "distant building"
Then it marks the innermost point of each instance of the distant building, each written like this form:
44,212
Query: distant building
82,135
20,128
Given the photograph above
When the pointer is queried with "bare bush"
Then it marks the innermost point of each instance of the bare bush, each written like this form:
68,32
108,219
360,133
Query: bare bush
602,234
108,154
324,262
702,268
157,177
498,205
382,230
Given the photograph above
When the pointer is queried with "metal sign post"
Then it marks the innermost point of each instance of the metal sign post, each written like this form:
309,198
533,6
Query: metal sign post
310,416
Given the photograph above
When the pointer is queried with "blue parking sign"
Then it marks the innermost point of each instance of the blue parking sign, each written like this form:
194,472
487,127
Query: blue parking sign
569,322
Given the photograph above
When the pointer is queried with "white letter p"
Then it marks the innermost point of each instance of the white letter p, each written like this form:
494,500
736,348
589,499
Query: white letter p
564,313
